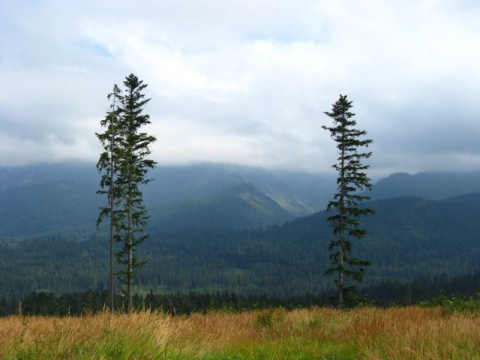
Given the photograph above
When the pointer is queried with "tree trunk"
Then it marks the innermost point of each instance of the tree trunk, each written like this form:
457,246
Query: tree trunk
112,227
130,252
342,230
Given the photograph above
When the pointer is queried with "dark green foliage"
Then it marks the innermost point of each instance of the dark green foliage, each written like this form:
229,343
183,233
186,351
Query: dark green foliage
458,294
462,304
53,263
424,290
352,180
125,164
91,302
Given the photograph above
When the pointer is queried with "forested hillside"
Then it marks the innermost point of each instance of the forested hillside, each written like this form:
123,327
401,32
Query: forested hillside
51,198
48,207
409,238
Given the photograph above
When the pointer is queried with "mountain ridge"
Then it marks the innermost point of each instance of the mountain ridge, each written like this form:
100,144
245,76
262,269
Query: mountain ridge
430,185
237,207
32,200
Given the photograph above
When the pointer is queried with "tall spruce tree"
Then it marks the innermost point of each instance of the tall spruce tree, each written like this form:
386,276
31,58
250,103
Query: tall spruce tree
133,167
125,166
107,164
352,180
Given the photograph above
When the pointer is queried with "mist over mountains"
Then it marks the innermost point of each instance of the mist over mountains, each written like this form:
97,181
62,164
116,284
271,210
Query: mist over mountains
62,197
40,199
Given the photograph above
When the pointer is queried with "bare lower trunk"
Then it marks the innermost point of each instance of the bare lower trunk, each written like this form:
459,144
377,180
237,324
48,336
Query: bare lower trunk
112,227
341,233
111,280
130,258
340,279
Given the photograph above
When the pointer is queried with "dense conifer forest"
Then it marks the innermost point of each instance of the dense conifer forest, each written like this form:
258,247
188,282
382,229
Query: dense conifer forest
410,238
391,293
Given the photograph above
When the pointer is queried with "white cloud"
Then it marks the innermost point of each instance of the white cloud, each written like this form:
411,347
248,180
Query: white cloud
247,81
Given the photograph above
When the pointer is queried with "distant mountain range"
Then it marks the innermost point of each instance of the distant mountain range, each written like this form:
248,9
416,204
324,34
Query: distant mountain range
53,198
230,228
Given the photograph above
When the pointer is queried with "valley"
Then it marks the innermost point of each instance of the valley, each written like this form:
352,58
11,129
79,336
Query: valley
216,229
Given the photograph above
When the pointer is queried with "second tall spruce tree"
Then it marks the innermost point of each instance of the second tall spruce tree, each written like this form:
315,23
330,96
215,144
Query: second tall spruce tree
352,180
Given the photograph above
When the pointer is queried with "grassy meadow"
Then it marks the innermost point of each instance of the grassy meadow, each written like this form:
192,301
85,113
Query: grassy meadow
319,333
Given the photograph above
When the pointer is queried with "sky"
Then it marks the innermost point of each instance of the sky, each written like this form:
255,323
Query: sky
245,82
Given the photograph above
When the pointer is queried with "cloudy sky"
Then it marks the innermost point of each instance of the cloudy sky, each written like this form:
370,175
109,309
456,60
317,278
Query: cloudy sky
246,81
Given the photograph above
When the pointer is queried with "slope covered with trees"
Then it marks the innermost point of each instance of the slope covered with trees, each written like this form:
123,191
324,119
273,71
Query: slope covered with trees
409,238
47,207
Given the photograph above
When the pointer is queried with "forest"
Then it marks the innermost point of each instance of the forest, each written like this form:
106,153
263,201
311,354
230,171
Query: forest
421,239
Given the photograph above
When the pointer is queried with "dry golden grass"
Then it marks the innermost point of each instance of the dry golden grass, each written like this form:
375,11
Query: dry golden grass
415,333
321,333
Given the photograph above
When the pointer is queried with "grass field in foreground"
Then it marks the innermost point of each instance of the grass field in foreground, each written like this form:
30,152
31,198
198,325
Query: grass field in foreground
320,333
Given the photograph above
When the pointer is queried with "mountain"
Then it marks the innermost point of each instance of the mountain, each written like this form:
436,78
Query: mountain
237,207
427,185
298,193
50,198
408,238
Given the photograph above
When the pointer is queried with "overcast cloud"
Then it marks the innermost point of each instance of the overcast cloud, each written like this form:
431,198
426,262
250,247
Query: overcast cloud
245,82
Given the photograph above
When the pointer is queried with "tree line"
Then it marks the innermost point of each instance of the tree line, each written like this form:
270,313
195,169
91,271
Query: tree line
391,293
